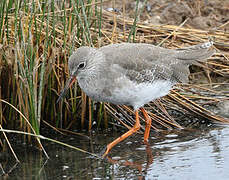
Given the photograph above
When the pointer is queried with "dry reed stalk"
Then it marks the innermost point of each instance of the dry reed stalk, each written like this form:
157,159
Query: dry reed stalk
11,149
83,112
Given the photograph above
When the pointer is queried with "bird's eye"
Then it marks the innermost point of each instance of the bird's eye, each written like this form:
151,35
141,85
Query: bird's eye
81,65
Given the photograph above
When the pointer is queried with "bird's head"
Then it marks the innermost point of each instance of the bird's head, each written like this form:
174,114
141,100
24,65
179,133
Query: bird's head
81,64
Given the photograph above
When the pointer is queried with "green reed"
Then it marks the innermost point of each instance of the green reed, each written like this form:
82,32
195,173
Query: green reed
37,38
137,13
41,35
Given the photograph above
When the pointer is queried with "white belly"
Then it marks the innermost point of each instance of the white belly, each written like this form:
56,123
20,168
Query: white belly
125,91
139,94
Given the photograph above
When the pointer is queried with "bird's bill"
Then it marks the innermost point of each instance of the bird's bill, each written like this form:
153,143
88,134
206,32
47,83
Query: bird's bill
69,83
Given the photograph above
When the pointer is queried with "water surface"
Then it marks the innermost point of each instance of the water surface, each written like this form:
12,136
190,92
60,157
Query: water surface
186,154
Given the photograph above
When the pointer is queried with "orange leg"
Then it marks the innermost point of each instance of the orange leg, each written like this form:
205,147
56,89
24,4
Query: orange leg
148,124
134,129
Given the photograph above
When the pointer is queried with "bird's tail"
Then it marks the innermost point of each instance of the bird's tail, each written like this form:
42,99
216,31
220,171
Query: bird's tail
188,56
199,52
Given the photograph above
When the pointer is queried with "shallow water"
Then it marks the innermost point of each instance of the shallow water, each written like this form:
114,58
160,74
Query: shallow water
186,154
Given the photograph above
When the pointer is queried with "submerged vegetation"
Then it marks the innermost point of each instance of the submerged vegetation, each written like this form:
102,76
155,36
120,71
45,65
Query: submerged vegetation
38,36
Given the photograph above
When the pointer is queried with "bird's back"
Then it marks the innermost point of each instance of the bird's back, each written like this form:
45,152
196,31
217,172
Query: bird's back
163,63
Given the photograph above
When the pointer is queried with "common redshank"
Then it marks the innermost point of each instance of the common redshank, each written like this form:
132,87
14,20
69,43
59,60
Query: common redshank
132,74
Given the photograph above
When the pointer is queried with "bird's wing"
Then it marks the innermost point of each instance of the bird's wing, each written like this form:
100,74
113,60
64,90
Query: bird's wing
139,62
145,62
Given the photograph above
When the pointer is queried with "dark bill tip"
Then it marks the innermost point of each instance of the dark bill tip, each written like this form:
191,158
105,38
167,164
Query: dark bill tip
69,83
